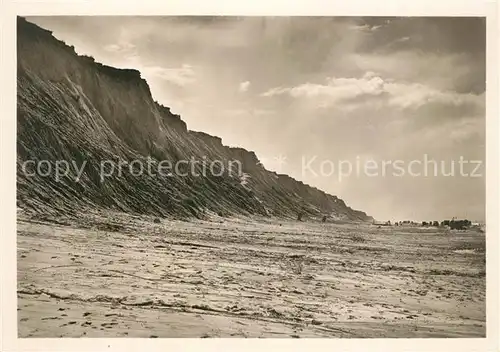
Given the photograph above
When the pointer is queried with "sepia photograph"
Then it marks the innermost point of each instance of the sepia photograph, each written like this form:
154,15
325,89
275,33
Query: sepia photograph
251,176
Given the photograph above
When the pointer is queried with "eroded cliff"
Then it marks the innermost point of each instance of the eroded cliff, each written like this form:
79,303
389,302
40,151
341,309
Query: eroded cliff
74,109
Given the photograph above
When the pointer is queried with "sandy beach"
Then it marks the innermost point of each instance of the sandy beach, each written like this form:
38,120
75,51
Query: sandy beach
117,275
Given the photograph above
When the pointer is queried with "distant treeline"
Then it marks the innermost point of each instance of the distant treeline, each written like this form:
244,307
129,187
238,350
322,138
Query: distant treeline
453,224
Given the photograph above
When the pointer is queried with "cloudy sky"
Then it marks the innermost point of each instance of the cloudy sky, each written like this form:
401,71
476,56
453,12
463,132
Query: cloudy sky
322,92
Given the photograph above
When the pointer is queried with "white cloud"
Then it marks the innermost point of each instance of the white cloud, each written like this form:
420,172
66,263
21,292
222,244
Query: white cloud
275,91
338,90
180,76
120,47
415,95
243,87
124,43
434,69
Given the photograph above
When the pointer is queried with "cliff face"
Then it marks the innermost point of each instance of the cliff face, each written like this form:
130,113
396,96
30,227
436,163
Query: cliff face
73,109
